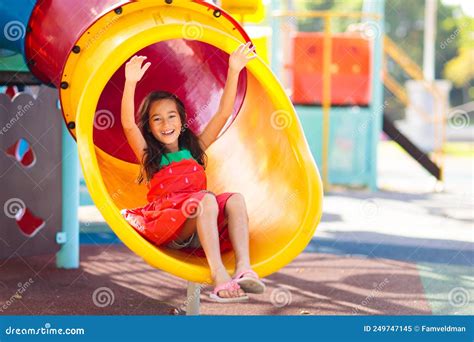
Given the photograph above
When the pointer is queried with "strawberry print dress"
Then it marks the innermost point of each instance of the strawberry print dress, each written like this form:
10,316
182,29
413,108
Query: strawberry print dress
174,195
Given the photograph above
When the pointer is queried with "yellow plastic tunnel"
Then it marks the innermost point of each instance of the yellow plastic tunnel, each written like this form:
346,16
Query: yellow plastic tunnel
262,152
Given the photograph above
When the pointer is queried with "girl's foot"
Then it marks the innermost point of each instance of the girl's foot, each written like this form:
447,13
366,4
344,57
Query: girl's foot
229,286
221,279
243,268
248,280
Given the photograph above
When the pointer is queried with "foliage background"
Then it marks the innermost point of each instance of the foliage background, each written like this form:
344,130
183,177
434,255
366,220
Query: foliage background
404,24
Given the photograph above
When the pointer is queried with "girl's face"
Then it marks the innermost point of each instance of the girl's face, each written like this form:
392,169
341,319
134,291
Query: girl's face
165,122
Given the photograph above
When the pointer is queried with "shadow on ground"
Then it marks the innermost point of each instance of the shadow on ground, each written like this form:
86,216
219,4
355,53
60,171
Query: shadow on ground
311,284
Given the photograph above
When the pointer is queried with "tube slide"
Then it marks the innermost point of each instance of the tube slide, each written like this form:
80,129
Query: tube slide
81,47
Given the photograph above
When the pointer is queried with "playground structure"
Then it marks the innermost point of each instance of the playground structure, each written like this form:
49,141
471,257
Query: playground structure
342,127
338,93
30,147
342,139
86,63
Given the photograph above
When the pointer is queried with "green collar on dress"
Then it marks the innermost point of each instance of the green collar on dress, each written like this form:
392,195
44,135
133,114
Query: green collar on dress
177,156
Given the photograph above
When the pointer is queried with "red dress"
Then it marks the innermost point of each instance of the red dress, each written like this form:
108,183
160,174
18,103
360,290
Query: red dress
174,195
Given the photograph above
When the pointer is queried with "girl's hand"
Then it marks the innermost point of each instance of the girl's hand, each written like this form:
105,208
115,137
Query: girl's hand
240,57
134,70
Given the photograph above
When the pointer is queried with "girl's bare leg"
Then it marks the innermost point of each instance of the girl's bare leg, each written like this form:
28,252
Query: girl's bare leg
238,224
206,225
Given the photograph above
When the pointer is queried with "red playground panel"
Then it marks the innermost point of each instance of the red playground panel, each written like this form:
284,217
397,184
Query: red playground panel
350,69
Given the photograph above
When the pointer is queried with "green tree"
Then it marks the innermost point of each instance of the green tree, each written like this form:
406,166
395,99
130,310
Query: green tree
460,69
404,24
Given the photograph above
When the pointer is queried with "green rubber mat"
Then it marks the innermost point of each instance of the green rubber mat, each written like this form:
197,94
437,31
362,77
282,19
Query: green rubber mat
449,289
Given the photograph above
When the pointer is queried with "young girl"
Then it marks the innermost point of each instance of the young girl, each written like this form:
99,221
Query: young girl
181,213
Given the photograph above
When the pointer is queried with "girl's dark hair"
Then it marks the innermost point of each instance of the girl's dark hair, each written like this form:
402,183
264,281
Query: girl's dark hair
155,150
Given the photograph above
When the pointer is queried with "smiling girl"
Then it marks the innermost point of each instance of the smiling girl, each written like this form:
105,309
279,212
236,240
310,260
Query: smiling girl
182,213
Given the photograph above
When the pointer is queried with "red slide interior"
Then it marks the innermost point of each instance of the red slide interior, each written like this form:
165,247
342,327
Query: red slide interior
195,71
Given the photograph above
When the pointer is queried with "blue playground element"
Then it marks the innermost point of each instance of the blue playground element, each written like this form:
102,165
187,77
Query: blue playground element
23,147
68,256
14,23
353,131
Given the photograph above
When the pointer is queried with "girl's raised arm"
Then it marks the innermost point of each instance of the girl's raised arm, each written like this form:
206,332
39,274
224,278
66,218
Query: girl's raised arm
237,61
133,73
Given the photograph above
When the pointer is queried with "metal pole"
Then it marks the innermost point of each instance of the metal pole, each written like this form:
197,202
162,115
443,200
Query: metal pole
193,299
377,105
327,50
275,23
68,255
429,40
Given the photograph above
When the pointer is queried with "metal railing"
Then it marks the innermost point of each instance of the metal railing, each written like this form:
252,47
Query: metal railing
414,72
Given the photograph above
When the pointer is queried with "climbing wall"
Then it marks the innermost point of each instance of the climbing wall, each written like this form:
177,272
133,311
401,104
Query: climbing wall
30,172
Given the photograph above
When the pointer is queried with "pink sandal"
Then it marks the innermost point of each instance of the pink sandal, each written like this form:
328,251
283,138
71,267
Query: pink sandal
230,285
250,284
